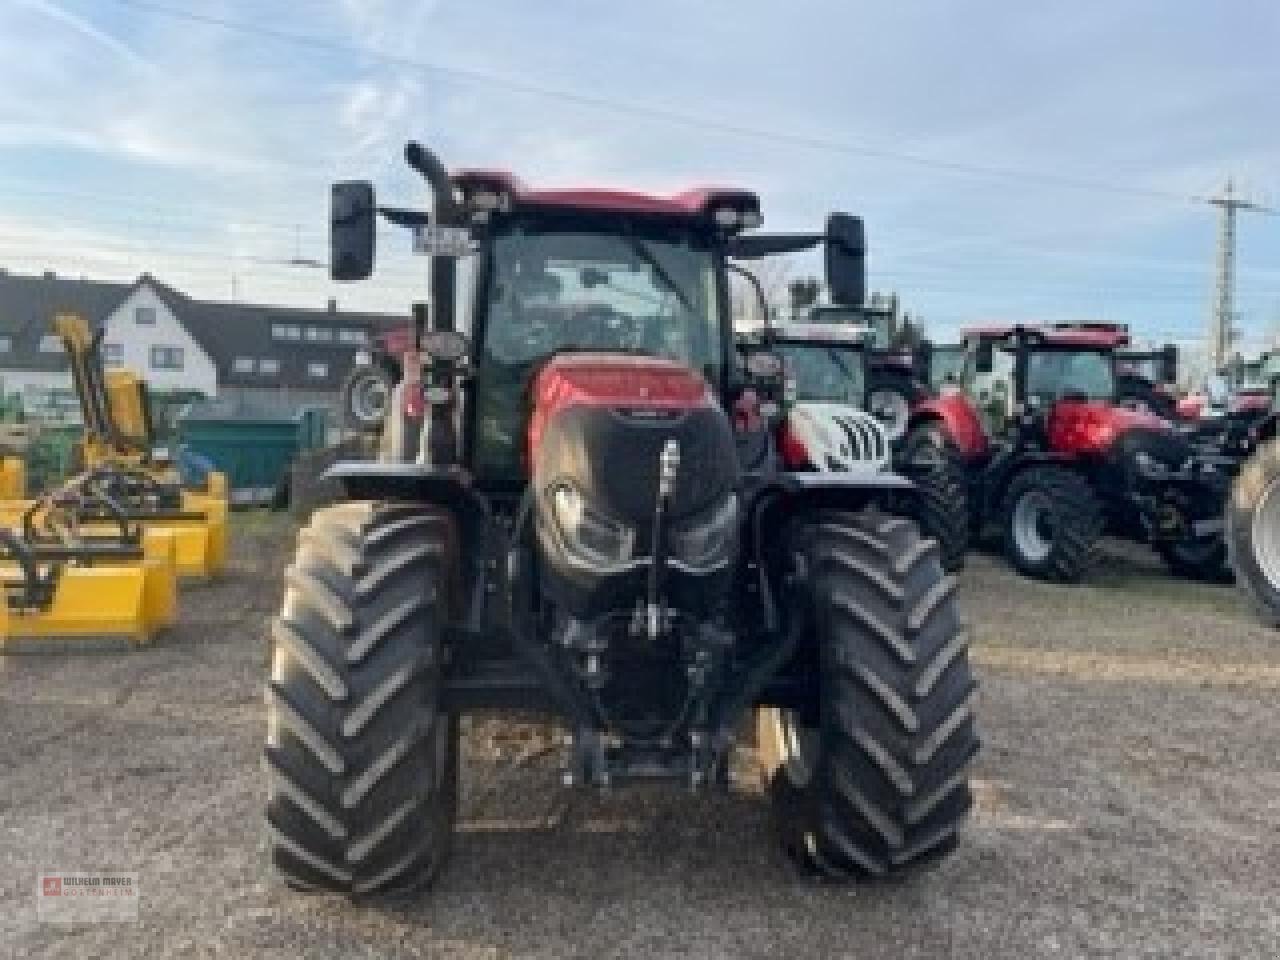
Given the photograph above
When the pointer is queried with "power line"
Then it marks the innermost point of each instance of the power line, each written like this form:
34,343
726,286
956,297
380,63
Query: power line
483,77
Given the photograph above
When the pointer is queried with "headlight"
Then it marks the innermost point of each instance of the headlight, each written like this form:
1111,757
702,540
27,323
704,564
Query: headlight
590,539
706,541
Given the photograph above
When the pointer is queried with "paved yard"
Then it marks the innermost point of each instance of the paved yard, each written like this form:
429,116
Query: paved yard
1128,804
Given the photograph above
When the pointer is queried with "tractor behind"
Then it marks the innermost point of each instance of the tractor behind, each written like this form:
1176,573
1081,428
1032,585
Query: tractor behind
1055,459
827,427
565,518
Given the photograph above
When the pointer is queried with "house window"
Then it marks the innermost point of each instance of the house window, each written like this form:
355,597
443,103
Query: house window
317,370
268,365
112,354
286,331
242,365
319,334
166,358
352,336
144,316
51,343
6,344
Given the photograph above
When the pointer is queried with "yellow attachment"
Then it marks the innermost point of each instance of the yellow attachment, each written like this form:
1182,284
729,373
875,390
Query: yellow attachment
108,605
13,478
199,544
127,400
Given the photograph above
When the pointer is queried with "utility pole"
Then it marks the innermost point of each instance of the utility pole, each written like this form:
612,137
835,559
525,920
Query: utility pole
1222,322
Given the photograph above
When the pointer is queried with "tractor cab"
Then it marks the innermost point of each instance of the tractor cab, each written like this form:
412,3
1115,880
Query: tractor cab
1016,376
942,364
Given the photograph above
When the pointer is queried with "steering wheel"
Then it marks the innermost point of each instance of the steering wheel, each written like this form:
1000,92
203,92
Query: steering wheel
597,326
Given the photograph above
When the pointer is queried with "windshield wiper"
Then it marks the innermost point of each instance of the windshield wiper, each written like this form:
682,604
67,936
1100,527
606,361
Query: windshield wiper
838,360
644,253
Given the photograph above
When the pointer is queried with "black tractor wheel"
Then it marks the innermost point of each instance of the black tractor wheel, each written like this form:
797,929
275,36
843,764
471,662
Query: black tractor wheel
928,442
939,505
1052,522
890,397
1204,559
364,397
872,777
362,760
1253,530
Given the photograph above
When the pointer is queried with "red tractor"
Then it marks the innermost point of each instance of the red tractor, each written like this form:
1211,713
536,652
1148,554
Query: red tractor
563,519
1148,380
1055,459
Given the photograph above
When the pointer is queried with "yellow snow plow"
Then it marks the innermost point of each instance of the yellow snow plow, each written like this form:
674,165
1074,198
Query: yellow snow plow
68,586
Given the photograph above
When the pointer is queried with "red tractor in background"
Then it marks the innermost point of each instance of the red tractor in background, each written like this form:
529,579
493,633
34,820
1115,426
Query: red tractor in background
563,518
1148,380
1055,459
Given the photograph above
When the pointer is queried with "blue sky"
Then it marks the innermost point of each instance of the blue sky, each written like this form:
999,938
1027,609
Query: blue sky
134,140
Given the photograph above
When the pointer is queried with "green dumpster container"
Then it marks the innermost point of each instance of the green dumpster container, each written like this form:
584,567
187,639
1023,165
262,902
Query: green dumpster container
54,455
254,447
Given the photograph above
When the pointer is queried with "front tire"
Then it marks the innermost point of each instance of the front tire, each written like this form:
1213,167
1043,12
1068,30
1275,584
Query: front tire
890,397
1253,530
872,778
361,757
1052,522
939,505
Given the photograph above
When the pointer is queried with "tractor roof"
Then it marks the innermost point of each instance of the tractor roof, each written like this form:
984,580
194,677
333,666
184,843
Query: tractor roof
696,203
1105,336
843,333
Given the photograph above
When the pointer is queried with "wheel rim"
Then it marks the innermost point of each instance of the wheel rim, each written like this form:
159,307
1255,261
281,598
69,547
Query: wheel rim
1033,525
369,400
797,744
1266,533
893,409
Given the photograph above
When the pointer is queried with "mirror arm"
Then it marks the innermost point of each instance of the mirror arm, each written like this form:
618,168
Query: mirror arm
755,284
401,217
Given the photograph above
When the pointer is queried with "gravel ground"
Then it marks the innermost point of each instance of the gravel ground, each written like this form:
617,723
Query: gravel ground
1127,804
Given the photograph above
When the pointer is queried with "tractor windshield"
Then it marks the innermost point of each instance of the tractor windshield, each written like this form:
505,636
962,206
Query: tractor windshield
826,373
946,366
551,288
1061,374
1145,365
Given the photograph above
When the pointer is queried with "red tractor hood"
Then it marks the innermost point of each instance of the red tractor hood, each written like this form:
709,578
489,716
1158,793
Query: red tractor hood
1082,427
618,380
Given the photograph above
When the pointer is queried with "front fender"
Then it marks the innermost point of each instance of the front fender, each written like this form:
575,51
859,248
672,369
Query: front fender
772,500
959,421
447,488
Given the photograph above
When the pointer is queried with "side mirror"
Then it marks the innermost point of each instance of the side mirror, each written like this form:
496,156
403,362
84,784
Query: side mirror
352,212
846,260
1168,371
